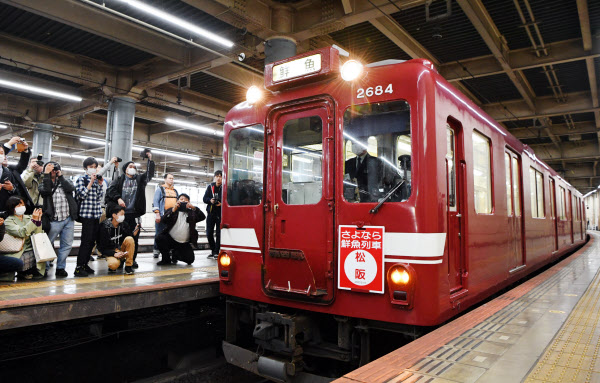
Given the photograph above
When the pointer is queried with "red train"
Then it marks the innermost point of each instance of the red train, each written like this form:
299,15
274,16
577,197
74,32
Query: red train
369,198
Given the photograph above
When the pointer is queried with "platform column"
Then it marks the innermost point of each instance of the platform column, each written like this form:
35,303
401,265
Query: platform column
280,47
42,141
119,130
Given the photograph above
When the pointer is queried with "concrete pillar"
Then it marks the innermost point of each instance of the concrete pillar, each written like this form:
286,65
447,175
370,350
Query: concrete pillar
42,141
279,48
119,129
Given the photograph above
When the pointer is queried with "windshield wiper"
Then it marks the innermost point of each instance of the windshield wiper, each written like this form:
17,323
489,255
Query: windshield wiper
387,196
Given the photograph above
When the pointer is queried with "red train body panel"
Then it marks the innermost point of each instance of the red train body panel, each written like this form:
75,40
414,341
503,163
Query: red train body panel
272,242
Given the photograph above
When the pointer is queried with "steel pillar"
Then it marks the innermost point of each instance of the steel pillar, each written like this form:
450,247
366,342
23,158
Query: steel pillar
119,129
42,141
279,48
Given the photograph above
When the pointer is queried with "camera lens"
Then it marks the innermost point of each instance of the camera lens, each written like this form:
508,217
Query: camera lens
119,159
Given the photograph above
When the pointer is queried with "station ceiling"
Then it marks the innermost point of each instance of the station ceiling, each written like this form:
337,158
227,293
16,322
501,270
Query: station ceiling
531,64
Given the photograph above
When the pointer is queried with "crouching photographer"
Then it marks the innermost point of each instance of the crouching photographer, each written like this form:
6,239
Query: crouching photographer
176,240
115,241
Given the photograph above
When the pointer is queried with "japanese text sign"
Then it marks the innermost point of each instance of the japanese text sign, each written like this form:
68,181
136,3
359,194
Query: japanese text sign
296,68
360,263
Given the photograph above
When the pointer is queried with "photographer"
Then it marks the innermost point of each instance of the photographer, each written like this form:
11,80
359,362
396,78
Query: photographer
15,171
179,235
165,197
115,240
212,199
60,212
32,178
129,191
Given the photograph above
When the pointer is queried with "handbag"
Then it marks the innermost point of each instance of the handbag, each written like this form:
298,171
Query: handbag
11,244
42,247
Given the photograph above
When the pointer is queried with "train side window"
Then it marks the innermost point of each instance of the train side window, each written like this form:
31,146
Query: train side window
508,177
451,168
516,171
482,173
377,152
536,181
302,162
245,166
562,214
552,199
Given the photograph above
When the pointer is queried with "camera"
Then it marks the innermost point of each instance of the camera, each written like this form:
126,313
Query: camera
183,205
144,153
119,159
99,177
39,159
217,197
56,167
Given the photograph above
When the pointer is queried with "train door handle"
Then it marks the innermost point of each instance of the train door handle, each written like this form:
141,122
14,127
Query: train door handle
458,215
275,208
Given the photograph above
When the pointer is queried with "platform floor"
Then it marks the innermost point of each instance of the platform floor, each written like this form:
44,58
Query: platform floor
50,300
545,330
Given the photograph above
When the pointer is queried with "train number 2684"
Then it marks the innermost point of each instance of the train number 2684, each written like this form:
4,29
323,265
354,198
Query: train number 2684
374,90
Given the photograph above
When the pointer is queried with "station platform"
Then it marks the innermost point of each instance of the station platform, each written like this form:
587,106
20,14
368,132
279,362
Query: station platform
27,303
545,330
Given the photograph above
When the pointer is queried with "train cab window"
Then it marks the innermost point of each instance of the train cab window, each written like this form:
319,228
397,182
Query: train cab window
378,152
536,181
451,168
302,162
245,166
482,173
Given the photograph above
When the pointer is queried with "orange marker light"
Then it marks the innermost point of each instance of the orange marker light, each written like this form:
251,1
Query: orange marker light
225,260
398,276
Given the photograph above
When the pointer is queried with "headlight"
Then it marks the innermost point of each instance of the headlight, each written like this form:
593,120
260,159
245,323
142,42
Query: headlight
253,95
351,70
400,276
401,285
224,260
226,263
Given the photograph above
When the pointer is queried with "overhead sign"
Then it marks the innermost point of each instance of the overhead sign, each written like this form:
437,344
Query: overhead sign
297,68
360,263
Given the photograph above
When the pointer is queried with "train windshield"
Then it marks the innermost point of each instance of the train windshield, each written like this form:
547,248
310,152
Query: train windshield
245,166
377,152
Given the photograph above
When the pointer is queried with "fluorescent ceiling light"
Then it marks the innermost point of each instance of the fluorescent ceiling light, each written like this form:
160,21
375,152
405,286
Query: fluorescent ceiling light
92,141
2,126
80,156
199,128
38,90
186,182
177,22
194,172
137,147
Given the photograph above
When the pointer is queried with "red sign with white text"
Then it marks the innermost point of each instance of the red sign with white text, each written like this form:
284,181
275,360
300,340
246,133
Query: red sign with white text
360,263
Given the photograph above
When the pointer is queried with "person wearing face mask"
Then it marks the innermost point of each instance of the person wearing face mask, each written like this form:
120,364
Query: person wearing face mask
89,194
20,225
115,240
363,169
129,191
60,212
32,178
179,238
10,176
165,197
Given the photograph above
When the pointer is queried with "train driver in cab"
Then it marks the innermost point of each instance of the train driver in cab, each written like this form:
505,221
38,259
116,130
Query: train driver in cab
365,170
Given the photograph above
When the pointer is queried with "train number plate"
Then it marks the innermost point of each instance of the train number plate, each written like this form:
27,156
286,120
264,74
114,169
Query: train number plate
360,264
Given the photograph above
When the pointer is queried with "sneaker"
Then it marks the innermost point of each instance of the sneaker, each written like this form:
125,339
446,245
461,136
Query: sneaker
89,270
80,272
37,275
24,276
156,253
209,256
164,262
111,271
174,258
61,273
128,270
92,259
135,265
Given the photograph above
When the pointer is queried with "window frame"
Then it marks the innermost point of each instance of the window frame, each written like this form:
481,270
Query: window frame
229,165
533,182
491,172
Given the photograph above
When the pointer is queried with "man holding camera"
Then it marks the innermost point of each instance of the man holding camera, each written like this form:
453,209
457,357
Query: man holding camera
212,199
89,193
115,240
60,212
129,192
32,178
179,235
15,171
165,197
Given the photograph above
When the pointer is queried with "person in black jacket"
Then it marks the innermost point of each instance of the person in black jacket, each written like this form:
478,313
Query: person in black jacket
129,192
60,212
212,199
180,234
10,178
115,240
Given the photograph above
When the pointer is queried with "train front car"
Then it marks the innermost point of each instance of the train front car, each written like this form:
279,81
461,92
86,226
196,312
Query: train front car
333,216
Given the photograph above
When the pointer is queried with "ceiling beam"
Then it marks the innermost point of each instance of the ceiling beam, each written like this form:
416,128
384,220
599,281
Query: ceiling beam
482,21
532,132
520,59
577,102
101,23
400,36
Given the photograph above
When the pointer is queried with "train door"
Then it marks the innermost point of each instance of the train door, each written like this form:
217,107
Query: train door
514,203
298,261
571,216
553,213
455,176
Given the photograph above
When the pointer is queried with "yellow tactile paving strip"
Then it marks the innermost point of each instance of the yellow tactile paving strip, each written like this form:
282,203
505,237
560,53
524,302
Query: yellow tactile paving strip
573,355
107,278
